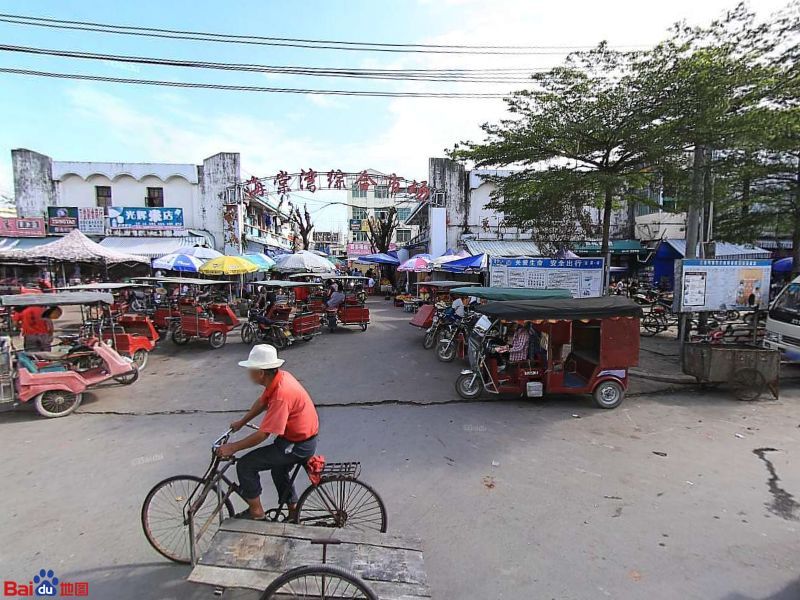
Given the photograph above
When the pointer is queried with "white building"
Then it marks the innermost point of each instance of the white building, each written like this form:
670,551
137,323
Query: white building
374,203
151,208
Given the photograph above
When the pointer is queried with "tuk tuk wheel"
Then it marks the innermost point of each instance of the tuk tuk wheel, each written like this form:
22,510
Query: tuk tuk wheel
469,386
217,340
608,394
57,403
140,358
248,333
363,326
179,337
129,378
748,384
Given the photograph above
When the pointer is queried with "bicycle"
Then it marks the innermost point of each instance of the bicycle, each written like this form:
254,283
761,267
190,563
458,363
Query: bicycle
320,582
181,513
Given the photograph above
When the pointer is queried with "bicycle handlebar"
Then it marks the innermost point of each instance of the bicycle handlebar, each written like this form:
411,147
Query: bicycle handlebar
224,437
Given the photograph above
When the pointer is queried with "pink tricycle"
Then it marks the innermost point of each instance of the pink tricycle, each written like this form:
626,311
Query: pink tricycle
49,380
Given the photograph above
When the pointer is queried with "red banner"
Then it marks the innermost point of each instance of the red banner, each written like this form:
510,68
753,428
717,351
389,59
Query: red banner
22,227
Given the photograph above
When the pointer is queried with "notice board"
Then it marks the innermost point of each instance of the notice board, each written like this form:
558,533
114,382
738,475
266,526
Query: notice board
707,284
583,277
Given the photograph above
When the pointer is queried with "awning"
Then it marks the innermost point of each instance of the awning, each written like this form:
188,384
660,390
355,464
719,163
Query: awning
616,247
152,247
502,247
722,250
25,243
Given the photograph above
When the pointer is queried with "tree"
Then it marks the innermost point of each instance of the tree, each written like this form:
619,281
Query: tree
584,135
303,224
381,229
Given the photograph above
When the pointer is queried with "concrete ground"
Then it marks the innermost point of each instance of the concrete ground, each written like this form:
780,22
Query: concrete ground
676,494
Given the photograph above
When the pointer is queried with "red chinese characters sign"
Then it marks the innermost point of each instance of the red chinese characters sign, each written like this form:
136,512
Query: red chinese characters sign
311,180
22,227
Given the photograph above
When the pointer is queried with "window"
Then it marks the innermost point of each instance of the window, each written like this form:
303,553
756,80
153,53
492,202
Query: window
102,194
381,214
381,191
403,235
360,213
360,236
403,214
155,198
358,192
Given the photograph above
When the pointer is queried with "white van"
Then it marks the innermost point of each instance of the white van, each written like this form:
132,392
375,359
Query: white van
783,322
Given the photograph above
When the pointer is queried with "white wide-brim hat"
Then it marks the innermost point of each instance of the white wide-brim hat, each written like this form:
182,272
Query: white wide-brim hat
262,356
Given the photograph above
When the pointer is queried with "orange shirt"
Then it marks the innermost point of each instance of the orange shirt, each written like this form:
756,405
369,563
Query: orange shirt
32,322
290,411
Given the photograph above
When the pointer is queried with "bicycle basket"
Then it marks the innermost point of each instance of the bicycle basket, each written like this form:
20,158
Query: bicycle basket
341,469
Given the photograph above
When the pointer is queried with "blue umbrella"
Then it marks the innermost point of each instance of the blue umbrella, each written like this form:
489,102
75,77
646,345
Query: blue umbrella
378,259
468,262
262,261
178,262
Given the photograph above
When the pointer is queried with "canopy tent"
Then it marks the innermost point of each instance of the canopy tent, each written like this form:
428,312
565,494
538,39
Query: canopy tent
303,261
262,261
57,299
179,262
505,294
468,263
228,265
438,263
783,265
378,259
565,309
74,247
152,247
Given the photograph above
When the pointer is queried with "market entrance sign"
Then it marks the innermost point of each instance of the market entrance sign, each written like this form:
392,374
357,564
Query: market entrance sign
721,284
583,277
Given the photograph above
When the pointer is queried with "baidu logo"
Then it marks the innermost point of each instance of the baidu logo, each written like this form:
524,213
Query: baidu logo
46,583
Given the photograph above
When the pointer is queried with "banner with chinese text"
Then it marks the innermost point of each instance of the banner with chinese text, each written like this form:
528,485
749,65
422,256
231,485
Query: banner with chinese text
145,218
583,277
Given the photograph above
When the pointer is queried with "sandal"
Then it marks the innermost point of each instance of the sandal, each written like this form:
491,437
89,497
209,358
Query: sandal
245,514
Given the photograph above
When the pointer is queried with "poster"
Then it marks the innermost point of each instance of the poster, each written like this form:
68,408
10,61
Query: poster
62,219
355,224
92,220
22,227
583,277
145,218
721,284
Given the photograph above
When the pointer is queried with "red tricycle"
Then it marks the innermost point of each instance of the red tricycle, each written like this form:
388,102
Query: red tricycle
353,310
576,346
285,321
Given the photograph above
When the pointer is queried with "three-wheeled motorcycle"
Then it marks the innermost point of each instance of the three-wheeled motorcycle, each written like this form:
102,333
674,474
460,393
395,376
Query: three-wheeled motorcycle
577,346
55,382
451,341
194,309
353,311
132,334
287,320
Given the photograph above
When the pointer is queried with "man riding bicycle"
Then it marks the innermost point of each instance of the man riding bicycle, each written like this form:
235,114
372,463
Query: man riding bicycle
290,416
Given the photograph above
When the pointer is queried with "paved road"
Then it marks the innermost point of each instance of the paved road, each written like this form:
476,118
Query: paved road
515,499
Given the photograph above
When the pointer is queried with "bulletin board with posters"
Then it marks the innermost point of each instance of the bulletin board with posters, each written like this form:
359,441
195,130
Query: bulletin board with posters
583,277
707,285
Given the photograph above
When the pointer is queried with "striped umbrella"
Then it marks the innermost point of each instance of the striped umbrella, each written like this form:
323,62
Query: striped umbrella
416,264
178,262
262,261
228,265
201,252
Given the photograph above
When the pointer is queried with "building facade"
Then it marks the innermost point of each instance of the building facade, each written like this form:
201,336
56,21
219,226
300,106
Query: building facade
147,208
374,203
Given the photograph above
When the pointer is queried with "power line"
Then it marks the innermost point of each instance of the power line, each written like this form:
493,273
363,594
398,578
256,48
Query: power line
249,88
229,38
443,75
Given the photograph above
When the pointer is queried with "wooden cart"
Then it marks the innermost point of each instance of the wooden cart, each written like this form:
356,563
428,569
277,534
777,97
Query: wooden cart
749,370
252,554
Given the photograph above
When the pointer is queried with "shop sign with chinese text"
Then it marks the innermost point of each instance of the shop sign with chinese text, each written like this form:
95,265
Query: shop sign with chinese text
22,227
145,218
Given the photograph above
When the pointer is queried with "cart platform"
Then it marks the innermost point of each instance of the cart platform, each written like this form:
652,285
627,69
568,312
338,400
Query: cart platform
251,554
748,369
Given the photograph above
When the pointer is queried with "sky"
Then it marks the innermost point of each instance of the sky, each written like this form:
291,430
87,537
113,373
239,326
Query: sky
89,121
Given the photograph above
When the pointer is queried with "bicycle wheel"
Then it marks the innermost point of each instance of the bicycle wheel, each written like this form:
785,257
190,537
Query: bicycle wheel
650,324
321,582
342,502
163,520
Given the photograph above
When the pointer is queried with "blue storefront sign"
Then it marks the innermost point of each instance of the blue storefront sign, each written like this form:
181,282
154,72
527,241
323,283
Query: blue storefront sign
128,217
583,277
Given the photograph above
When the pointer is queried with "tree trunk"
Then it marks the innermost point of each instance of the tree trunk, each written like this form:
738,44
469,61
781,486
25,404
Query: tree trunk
695,202
607,206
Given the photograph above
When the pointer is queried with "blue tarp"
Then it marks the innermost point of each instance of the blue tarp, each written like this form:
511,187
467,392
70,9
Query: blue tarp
784,265
463,264
378,259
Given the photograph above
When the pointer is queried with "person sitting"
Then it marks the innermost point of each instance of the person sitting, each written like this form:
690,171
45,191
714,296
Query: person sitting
518,340
336,298
458,307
